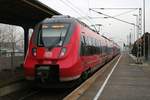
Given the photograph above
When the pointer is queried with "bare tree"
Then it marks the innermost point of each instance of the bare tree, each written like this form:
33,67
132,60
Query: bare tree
3,37
12,37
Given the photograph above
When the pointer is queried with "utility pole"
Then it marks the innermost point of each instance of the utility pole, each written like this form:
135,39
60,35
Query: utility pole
144,46
139,41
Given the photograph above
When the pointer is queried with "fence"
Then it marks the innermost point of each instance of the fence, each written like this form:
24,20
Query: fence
11,60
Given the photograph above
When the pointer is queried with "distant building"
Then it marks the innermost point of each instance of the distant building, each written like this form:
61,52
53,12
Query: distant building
145,46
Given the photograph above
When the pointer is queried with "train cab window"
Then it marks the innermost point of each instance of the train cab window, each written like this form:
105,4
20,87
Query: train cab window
52,34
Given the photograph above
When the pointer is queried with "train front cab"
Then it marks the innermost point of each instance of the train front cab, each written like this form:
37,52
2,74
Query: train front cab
42,60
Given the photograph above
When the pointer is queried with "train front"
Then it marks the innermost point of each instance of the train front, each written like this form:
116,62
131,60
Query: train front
53,53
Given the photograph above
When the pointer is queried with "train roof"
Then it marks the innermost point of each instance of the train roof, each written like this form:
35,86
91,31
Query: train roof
60,18
67,19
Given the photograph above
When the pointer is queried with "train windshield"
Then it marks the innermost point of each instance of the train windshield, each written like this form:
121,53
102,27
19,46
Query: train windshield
51,35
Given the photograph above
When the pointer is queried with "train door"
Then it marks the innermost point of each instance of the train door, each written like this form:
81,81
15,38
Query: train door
83,52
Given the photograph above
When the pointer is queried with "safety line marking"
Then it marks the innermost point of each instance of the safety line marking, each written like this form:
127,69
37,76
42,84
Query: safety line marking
105,82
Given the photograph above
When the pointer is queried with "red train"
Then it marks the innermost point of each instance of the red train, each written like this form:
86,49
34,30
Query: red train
64,49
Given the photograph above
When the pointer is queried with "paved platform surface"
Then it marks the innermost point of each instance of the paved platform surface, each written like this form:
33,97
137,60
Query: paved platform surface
128,81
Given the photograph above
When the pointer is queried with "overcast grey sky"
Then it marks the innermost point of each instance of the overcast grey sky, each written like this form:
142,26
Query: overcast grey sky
111,28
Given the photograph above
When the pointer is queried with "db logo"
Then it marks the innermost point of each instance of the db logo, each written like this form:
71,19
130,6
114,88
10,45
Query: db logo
48,54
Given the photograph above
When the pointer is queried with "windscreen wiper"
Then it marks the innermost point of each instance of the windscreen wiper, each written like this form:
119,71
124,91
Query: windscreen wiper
60,39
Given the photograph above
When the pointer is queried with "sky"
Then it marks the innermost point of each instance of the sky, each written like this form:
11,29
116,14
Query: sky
113,29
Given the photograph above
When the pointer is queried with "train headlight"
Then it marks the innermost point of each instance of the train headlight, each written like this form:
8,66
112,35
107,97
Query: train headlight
34,51
63,51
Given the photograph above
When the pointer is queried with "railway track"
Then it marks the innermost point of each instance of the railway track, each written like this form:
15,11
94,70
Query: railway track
29,95
37,94
46,95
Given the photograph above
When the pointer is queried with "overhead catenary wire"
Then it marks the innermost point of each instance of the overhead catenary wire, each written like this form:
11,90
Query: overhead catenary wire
115,8
88,18
79,11
70,7
124,13
113,17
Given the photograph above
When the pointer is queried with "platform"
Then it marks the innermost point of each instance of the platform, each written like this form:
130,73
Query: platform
128,81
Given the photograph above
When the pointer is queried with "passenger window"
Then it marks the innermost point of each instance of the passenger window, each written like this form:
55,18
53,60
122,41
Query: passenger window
82,48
